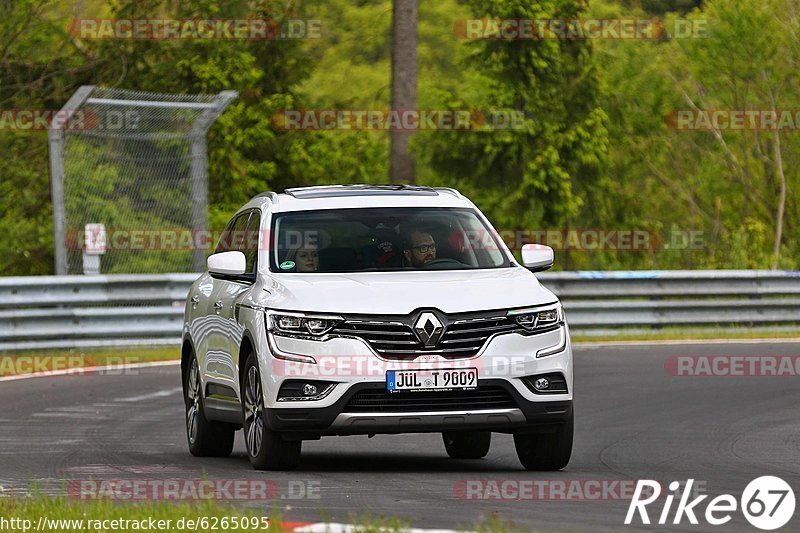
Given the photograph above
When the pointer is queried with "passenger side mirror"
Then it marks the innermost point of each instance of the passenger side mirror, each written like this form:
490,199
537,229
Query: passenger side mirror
537,257
227,263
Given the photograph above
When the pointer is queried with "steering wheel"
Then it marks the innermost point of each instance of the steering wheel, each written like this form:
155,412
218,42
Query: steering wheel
445,263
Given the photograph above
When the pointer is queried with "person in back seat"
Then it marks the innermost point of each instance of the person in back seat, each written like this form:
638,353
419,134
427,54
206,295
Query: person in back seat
305,258
384,250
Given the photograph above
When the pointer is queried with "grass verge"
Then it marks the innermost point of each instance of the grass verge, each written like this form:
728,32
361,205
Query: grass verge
32,361
678,334
63,515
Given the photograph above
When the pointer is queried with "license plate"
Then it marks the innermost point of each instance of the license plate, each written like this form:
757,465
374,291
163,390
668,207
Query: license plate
424,380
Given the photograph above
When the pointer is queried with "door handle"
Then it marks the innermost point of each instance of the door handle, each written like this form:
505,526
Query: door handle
218,304
195,299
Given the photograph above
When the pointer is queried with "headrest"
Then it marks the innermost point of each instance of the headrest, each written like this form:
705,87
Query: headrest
337,259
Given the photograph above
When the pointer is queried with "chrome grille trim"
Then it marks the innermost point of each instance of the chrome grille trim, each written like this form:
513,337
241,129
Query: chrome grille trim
503,327
394,338
372,332
471,340
479,319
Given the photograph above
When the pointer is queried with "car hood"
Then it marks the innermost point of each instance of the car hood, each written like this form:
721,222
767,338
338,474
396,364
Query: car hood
392,293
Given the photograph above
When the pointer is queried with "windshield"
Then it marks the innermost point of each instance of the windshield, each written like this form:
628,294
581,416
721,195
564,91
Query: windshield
384,239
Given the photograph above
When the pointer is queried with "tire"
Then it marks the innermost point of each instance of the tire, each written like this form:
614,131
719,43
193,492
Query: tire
205,438
266,449
467,444
548,451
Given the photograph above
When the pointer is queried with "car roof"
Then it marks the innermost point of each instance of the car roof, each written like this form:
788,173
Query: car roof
358,195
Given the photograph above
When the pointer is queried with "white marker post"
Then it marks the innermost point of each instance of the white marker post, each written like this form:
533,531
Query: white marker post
94,245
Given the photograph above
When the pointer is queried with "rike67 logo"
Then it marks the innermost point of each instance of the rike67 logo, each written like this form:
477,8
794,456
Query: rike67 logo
767,503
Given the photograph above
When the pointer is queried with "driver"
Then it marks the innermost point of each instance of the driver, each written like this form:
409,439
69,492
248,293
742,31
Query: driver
419,248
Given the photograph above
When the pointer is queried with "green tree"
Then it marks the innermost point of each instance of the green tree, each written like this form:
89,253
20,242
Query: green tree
542,173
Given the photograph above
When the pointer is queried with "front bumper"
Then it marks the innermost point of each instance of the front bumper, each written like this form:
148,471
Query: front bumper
356,369
523,416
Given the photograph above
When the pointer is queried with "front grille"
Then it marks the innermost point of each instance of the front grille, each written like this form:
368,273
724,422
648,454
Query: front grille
463,336
384,337
470,334
382,401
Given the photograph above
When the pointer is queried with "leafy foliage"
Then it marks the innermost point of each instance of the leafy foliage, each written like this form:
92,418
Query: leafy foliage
594,149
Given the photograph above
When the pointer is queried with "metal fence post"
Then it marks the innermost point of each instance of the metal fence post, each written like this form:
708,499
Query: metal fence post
56,142
55,137
199,176
199,171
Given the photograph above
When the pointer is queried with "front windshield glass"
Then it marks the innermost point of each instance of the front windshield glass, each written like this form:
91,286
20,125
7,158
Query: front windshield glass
383,239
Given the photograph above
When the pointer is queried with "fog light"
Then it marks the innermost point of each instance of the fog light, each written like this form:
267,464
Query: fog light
550,383
302,391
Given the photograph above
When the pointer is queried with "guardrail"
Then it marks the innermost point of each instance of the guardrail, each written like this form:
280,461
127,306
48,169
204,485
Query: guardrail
83,311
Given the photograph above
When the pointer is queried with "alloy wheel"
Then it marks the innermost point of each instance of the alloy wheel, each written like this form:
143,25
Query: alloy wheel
193,395
254,421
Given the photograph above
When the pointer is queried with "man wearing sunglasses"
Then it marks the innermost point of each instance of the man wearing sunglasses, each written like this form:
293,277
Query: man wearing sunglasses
419,248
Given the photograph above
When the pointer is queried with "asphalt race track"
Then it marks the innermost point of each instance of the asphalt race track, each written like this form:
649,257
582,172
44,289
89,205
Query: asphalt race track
634,421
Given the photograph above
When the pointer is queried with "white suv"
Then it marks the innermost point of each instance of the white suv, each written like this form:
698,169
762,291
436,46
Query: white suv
364,309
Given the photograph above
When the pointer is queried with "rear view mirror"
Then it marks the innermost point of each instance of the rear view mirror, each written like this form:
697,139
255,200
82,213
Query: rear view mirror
227,263
537,257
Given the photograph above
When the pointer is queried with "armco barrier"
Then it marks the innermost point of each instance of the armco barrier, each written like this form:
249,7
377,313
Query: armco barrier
81,311
84,311
664,298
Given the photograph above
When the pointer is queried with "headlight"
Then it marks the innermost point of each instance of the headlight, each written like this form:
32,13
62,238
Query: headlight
301,324
538,318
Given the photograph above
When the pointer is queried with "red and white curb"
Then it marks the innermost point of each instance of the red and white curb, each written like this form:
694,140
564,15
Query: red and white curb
77,371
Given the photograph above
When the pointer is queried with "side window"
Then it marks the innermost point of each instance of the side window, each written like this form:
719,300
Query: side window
239,234
233,235
250,244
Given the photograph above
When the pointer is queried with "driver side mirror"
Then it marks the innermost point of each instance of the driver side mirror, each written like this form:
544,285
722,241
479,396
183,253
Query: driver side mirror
227,263
537,257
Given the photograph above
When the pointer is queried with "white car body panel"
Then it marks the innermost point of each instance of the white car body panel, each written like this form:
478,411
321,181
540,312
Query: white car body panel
216,334
403,292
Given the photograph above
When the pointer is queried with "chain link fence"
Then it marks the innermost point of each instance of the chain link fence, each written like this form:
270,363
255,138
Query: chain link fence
135,163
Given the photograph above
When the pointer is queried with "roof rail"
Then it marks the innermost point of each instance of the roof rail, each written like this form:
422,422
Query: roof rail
450,190
273,197
323,191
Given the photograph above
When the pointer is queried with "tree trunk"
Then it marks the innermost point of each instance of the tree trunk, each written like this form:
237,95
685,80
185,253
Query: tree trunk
404,86
782,183
781,200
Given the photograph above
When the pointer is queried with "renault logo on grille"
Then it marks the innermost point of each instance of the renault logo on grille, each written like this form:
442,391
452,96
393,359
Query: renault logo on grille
428,329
